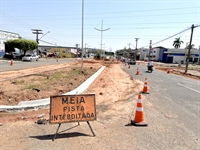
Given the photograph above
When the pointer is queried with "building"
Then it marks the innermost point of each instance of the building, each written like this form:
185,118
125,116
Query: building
180,55
60,51
155,54
5,36
169,55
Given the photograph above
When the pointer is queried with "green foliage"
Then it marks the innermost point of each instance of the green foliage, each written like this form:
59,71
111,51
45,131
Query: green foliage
17,81
177,43
109,53
22,44
190,46
121,52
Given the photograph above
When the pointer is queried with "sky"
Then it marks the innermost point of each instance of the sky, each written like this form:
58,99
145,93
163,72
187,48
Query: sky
120,22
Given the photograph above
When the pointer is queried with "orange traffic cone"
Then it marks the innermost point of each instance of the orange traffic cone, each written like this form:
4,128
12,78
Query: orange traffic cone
145,88
128,65
168,71
139,114
137,72
11,62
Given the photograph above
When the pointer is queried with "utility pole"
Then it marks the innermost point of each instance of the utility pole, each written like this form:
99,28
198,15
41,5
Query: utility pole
189,48
85,51
37,31
77,50
129,45
150,48
136,40
102,33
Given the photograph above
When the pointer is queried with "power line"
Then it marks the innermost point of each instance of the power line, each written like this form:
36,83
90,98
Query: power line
173,35
116,12
117,17
17,21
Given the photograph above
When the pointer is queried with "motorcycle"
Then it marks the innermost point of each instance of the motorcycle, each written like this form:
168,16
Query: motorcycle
150,69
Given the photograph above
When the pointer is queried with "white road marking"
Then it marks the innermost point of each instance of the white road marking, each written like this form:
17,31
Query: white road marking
188,88
189,82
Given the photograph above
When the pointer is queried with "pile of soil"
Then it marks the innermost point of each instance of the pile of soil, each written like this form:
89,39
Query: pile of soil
179,71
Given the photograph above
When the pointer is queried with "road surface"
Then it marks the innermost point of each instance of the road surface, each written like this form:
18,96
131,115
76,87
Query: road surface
17,65
175,110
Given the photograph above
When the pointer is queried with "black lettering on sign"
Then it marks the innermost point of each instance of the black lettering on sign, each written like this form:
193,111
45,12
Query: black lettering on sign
83,115
82,108
65,100
68,117
72,100
82,100
54,117
92,115
72,116
72,108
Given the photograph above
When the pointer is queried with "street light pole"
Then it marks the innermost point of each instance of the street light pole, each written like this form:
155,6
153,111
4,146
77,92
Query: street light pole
85,50
43,35
150,48
82,35
136,39
102,33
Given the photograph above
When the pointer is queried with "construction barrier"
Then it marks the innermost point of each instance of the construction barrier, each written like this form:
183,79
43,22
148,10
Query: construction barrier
139,114
137,71
168,71
145,88
11,62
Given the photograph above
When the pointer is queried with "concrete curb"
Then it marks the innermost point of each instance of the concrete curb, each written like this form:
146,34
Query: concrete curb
42,103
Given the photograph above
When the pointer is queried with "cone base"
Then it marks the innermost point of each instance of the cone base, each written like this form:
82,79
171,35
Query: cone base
138,124
145,92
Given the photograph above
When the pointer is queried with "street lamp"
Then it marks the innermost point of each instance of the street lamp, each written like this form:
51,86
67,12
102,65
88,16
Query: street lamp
102,33
40,39
82,34
136,40
150,47
43,35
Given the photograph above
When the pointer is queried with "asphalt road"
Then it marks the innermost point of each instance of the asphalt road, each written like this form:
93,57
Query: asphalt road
175,108
17,65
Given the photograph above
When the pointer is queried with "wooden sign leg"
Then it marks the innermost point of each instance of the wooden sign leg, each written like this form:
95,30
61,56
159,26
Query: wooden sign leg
90,128
56,132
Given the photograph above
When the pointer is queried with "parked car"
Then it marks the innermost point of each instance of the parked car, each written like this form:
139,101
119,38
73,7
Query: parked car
17,55
132,62
30,57
8,55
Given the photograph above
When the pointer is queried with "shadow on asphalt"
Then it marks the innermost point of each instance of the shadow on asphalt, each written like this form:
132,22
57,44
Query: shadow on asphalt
129,124
58,136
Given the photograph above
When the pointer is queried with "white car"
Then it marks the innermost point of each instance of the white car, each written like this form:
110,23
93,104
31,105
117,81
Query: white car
30,57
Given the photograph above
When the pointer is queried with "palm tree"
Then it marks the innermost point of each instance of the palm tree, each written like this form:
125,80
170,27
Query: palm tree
177,43
191,47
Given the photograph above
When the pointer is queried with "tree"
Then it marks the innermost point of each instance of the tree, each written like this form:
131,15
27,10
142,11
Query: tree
177,43
191,47
188,54
23,44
